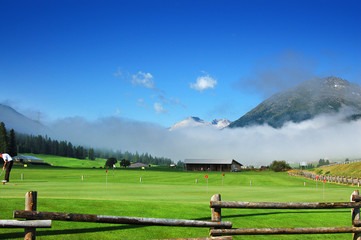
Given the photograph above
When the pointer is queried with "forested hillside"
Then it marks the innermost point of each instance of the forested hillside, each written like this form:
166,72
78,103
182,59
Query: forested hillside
13,144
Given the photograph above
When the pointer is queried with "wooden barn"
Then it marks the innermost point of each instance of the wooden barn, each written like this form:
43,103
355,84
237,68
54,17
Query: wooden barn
221,165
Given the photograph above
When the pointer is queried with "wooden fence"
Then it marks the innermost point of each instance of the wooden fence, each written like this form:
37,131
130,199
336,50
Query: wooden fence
327,178
216,206
30,213
220,230
30,226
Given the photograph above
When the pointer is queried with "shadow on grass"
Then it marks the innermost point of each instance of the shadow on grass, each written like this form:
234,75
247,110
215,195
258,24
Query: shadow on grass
40,233
274,213
270,213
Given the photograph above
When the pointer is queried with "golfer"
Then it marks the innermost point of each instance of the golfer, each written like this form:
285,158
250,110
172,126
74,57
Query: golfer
8,164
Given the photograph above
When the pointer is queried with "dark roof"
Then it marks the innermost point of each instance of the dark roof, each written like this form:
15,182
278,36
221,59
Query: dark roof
136,165
27,157
210,161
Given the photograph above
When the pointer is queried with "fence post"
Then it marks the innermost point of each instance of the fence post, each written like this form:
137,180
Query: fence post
355,214
30,205
216,212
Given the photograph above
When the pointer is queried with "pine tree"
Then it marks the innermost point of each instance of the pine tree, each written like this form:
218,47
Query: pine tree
12,149
91,154
3,138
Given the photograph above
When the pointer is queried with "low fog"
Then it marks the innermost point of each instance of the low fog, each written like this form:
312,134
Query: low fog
327,136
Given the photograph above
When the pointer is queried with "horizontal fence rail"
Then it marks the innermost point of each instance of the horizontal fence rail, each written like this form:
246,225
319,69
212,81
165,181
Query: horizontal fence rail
328,178
216,205
118,220
283,205
25,224
280,231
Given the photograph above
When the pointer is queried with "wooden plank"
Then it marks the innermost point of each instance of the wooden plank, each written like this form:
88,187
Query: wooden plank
356,198
356,223
283,205
31,199
118,220
355,215
216,212
281,231
24,224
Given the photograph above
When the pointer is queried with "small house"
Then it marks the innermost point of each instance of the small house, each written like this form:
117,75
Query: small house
138,165
28,159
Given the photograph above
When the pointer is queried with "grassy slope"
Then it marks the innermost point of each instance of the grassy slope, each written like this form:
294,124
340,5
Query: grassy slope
347,170
166,194
69,162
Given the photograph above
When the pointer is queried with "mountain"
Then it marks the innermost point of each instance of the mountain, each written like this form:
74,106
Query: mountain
197,122
305,101
220,123
18,122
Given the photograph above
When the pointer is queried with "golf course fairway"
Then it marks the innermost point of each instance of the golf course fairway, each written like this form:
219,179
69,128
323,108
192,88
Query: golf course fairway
167,193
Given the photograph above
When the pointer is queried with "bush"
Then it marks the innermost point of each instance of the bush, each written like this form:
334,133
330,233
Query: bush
124,163
110,162
279,166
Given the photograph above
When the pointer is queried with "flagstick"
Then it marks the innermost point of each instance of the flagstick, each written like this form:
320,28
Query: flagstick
206,176
106,178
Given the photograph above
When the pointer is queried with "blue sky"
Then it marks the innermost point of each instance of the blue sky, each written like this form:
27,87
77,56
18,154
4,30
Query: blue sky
162,61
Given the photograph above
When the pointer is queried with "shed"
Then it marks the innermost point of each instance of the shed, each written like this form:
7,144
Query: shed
28,159
225,165
138,165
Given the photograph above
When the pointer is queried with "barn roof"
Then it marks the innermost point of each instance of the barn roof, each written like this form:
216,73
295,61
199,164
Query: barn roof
136,165
27,157
210,161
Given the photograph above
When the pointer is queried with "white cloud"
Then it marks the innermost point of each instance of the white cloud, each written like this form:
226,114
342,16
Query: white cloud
143,79
203,83
159,108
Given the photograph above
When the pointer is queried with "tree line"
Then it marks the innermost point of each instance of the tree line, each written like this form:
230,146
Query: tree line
22,143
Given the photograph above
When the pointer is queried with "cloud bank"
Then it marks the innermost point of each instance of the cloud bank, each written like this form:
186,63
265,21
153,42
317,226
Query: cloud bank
327,136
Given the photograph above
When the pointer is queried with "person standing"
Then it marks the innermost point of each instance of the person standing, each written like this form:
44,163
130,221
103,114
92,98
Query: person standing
8,164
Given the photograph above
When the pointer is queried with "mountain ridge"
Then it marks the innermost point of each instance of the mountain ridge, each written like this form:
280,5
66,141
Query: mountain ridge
20,123
303,102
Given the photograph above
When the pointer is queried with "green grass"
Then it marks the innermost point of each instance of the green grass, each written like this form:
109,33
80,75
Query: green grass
166,194
69,162
346,170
